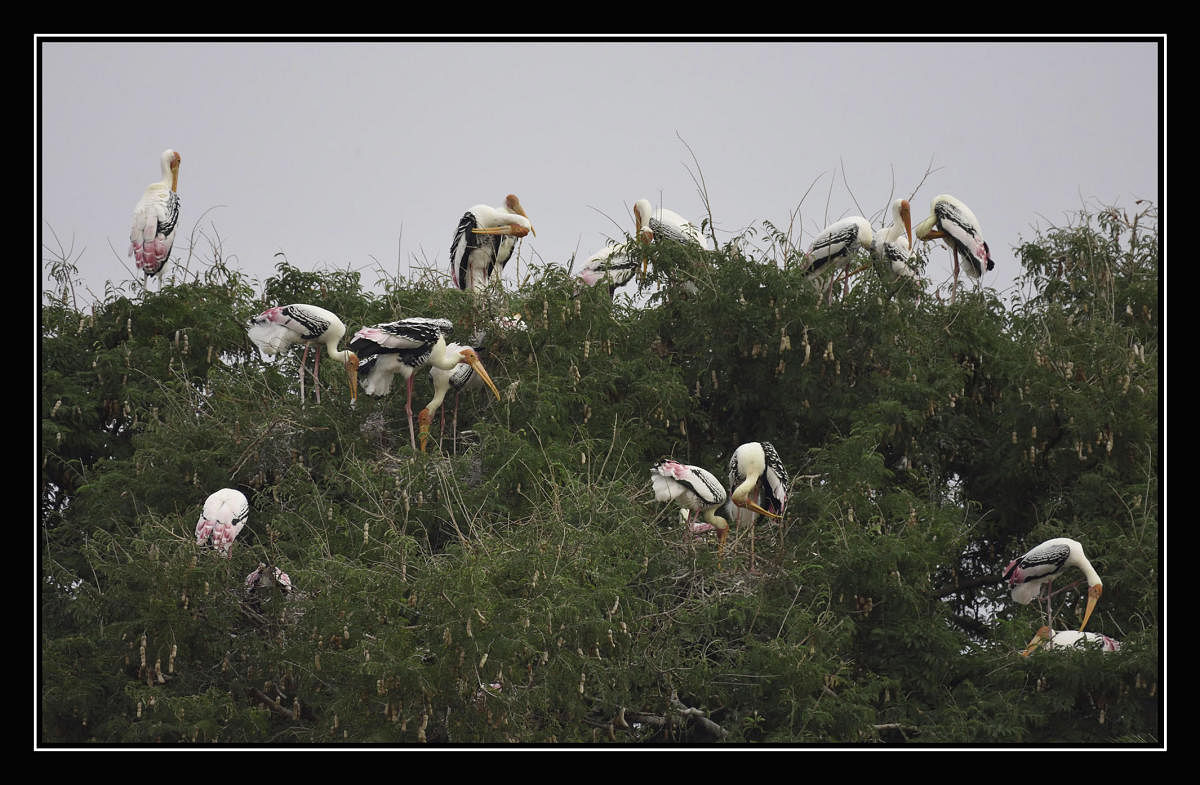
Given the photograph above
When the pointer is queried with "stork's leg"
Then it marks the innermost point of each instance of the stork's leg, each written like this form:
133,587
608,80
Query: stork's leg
303,362
316,369
454,425
412,439
954,291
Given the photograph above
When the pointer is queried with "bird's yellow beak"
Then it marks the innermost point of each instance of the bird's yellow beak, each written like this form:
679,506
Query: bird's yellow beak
483,374
749,505
1093,598
508,229
906,216
1043,634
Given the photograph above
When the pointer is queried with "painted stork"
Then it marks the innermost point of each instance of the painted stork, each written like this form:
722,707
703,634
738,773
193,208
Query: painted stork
484,242
694,489
460,379
405,347
1043,564
952,221
758,484
261,578
225,514
891,248
155,217
612,264
836,244
1070,639
663,224
276,329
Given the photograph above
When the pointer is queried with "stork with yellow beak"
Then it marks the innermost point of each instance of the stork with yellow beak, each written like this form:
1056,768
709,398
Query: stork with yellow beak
484,242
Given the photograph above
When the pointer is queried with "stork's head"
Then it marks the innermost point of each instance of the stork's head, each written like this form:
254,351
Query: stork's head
1044,634
641,217
467,355
905,213
170,163
514,225
513,205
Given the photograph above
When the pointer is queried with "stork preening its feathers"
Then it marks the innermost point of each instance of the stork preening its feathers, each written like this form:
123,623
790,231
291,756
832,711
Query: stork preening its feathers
225,514
155,217
836,245
277,329
663,225
891,248
405,347
484,242
613,264
694,489
952,221
1045,562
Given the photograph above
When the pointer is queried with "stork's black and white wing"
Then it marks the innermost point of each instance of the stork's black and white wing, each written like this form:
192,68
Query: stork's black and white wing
688,486
961,227
838,242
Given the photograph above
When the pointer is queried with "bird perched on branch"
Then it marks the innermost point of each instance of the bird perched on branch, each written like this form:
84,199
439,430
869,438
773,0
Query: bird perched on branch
277,329
663,225
836,245
460,378
891,247
225,514
405,347
694,489
484,242
262,578
155,217
952,221
1042,564
758,485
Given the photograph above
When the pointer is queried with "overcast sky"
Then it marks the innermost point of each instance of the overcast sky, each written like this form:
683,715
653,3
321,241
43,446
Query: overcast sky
365,155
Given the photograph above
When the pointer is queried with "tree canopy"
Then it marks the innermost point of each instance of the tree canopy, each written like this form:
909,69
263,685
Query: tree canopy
519,583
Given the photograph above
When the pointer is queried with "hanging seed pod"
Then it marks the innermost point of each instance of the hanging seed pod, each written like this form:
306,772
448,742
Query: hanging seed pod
785,342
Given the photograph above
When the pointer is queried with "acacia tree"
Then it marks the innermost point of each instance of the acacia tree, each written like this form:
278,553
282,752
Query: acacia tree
519,583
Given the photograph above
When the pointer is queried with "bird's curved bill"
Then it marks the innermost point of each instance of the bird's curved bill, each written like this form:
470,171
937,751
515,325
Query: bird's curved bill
507,229
483,374
749,505
1043,634
1093,597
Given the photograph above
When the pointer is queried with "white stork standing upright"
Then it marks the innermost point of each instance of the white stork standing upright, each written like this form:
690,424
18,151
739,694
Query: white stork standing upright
484,242
276,329
663,225
460,379
1044,563
1070,639
694,489
891,247
225,514
952,221
758,484
155,217
835,246
405,347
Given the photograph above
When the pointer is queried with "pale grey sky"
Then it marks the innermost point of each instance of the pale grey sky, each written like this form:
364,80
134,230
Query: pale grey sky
355,154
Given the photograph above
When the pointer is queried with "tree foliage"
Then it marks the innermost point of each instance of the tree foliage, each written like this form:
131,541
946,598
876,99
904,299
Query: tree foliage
520,583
